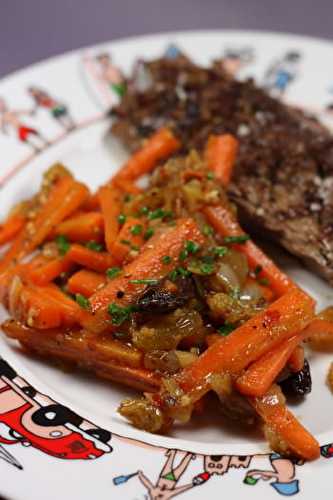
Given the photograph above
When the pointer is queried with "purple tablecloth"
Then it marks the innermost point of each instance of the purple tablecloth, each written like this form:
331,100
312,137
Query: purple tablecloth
31,30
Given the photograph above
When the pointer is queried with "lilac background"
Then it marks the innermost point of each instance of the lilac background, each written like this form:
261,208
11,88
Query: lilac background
31,30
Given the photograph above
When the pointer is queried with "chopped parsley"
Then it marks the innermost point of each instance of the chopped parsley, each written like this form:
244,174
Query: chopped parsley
122,219
159,213
192,247
82,301
149,233
179,272
136,229
220,251
241,239
93,245
148,281
166,259
207,230
225,329
120,314
113,272
183,255
62,244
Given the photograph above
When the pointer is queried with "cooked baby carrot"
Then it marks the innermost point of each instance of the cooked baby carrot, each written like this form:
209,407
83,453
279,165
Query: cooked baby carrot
11,227
48,271
220,156
260,375
92,203
148,265
83,227
296,360
277,417
160,145
109,198
289,314
226,225
129,240
97,261
85,282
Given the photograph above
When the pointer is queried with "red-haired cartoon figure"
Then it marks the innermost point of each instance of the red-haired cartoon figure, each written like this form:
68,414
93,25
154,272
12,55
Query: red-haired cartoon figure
281,476
33,419
234,60
281,73
58,110
11,119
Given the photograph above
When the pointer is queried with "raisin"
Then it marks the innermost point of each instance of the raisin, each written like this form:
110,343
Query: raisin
157,300
299,383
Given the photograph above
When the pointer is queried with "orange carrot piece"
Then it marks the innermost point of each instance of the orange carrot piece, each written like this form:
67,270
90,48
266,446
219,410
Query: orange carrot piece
11,227
85,282
220,155
127,241
278,418
320,332
260,375
71,312
289,314
97,261
226,225
84,227
148,264
296,360
44,274
159,146
92,203
125,186
109,198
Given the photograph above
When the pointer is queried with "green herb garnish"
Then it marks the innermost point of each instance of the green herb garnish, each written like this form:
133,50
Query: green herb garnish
149,233
136,229
113,272
207,268
126,242
263,281
207,230
62,244
225,329
159,213
120,314
242,238
210,176
148,281
179,272
144,210
166,259
192,247
82,301
122,219
93,245
183,255
220,251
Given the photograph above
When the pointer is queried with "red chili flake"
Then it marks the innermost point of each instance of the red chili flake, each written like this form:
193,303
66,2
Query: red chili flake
271,318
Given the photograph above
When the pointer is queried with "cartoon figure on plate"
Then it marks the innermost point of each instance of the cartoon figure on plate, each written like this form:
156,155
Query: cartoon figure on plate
281,73
33,419
58,110
166,484
234,60
282,473
11,119
219,465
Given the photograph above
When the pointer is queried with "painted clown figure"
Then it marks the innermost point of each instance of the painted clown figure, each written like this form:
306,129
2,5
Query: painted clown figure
57,109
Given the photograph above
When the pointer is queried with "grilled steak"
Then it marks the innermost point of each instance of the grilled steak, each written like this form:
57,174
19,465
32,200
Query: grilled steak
283,180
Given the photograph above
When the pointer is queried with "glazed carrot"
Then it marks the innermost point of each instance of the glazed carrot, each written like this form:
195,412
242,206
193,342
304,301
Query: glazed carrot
289,314
47,272
92,203
296,360
11,227
320,334
85,282
105,357
97,261
109,198
220,156
84,227
126,186
71,312
159,146
226,225
278,418
260,375
129,239
148,265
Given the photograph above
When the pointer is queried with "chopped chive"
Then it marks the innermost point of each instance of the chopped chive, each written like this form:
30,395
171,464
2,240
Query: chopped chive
207,230
120,314
136,229
82,301
220,251
159,213
179,272
112,272
126,242
242,238
62,244
210,176
225,329
264,281
207,268
122,219
93,245
144,282
144,210
149,233
183,255
192,247
135,248
166,259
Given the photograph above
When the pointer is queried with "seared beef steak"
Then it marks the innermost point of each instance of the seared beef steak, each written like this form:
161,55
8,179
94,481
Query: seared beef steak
283,180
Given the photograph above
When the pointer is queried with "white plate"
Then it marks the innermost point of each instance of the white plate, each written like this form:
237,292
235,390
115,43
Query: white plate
37,472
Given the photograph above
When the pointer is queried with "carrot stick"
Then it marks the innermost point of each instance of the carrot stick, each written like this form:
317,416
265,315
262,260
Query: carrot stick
296,360
278,418
44,274
105,357
226,225
220,155
127,242
92,203
97,261
84,227
148,265
85,282
11,227
260,375
109,198
289,314
160,145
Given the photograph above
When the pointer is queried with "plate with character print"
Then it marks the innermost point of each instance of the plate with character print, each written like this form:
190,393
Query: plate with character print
60,433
